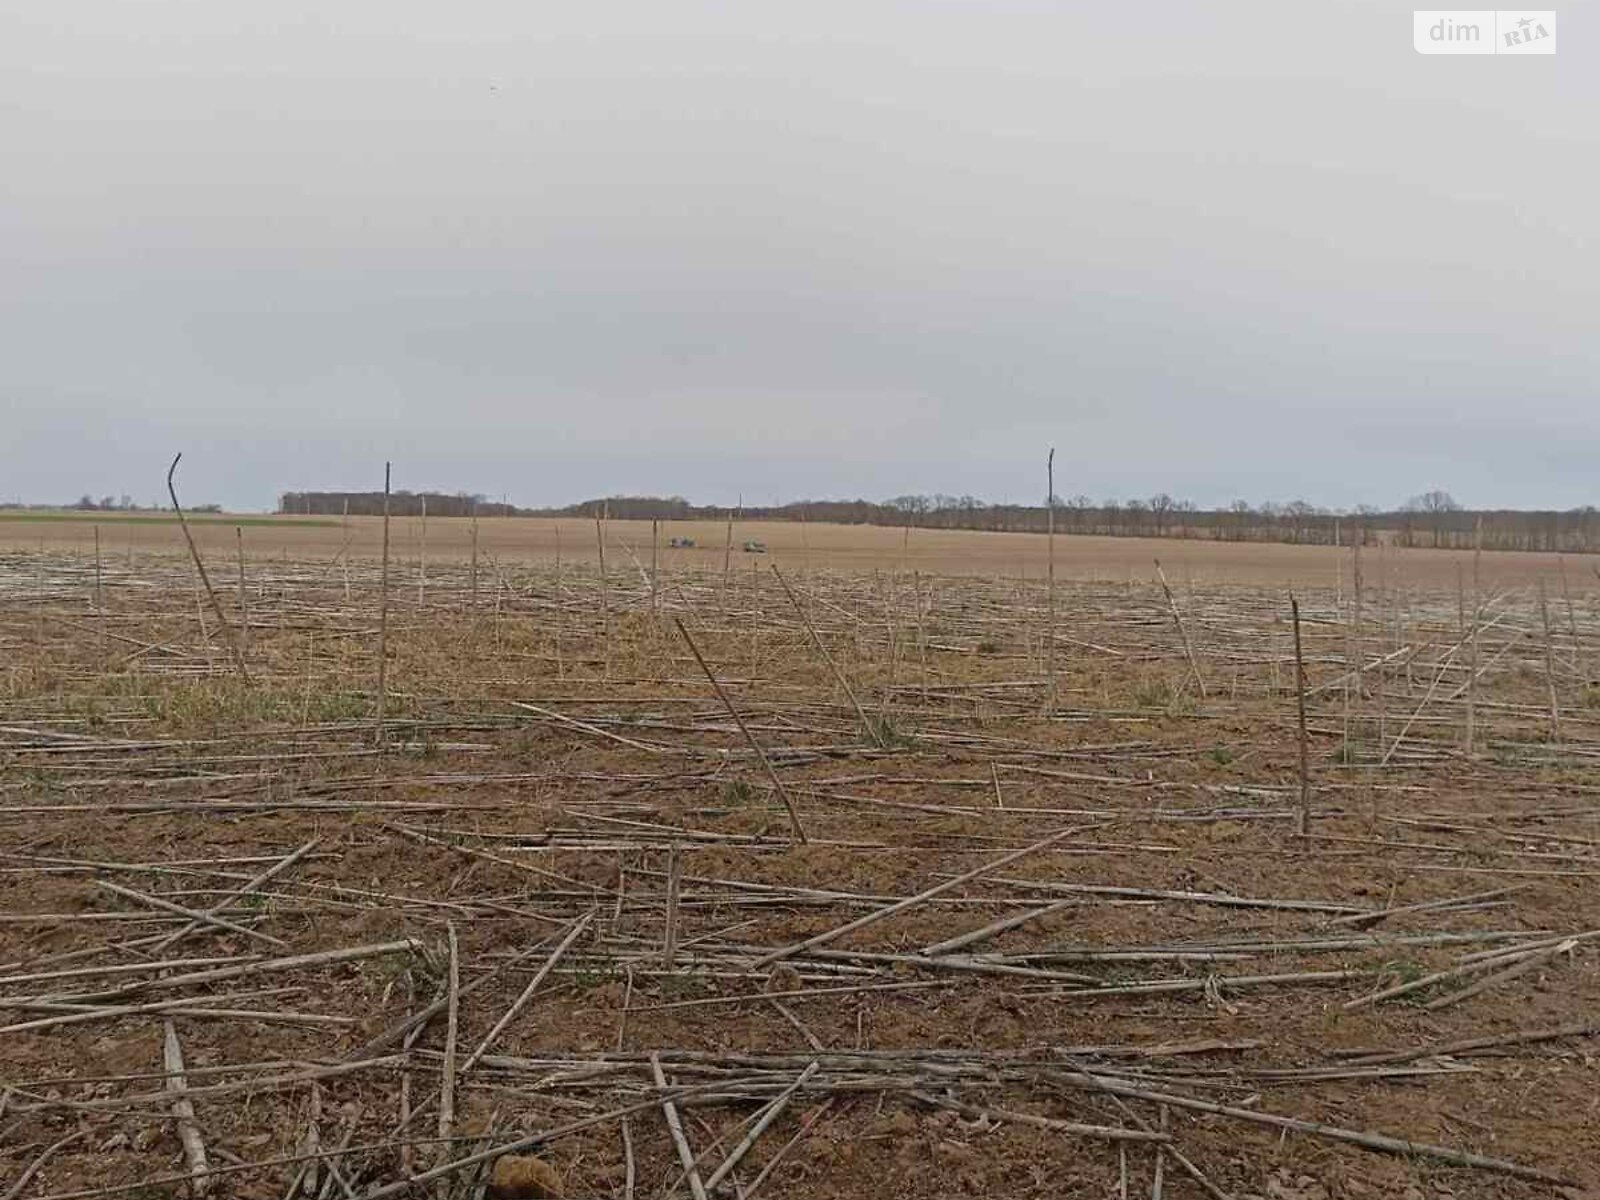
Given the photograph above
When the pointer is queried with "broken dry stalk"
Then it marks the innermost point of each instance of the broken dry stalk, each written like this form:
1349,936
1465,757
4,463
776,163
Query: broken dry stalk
200,567
872,918
872,731
521,1001
675,1127
795,827
194,1147
1183,632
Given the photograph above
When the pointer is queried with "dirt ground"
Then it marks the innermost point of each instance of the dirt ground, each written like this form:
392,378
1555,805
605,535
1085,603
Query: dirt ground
565,852
803,545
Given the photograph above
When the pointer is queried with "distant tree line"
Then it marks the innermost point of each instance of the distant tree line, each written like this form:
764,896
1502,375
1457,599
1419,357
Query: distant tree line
1432,519
123,503
401,504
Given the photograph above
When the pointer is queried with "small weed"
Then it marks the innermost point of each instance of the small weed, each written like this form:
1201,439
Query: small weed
1591,696
429,962
1152,694
425,745
593,971
39,780
389,968
682,987
338,706
1350,751
1221,755
988,646
887,734
1174,698
1404,970
737,793
1407,970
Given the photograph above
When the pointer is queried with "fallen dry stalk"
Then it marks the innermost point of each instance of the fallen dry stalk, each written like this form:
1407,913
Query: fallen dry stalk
909,902
521,1001
194,1148
675,1127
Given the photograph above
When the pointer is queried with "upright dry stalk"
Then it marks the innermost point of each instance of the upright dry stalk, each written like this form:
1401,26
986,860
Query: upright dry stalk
1387,617
474,556
1357,647
499,584
1549,666
1050,585
200,567
655,567
1304,824
383,613
422,556
100,592
888,594
244,600
605,590
727,559
1472,639
1339,615
1572,617
1338,565
922,631
796,829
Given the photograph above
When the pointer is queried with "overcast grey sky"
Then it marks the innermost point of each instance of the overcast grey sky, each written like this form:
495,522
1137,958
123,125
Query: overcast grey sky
1250,248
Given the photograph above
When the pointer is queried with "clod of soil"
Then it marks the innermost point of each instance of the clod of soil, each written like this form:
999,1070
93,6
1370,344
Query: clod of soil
523,1177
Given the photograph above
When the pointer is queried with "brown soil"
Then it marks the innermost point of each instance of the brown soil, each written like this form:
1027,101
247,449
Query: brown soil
132,755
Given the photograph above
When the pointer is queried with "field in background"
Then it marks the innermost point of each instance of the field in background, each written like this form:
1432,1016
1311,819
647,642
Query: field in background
530,540
1046,936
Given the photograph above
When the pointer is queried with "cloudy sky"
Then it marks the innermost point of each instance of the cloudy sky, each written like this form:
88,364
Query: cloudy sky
1244,249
